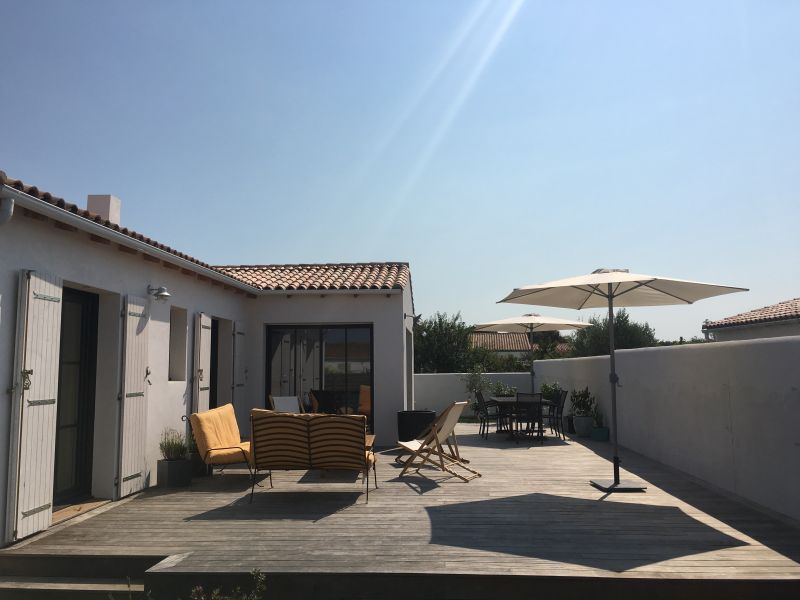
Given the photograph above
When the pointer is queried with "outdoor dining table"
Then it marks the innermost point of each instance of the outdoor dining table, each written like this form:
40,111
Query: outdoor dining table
506,405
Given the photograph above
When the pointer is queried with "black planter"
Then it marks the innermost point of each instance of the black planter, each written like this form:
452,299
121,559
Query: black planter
600,434
199,468
570,424
174,473
410,423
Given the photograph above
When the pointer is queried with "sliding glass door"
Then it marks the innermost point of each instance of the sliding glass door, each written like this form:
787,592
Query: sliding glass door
333,358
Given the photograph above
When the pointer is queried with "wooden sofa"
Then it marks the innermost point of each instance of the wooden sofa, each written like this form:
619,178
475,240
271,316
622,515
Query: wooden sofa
287,441
216,434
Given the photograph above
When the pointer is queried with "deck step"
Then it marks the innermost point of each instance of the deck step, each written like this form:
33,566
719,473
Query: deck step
67,576
87,566
69,588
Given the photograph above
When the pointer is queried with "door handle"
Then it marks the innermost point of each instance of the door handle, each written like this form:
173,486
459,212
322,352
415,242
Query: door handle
200,374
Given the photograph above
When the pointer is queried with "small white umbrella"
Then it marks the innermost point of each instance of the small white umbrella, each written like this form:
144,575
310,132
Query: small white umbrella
605,287
529,324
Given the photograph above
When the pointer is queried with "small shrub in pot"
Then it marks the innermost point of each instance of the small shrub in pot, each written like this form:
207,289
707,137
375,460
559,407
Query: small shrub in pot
500,388
476,381
583,404
600,433
175,469
550,391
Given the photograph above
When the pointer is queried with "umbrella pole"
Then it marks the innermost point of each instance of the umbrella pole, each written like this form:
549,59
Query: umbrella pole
612,377
616,485
533,373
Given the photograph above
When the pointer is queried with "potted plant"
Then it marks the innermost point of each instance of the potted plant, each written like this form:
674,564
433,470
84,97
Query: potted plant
500,389
175,469
599,432
550,391
582,411
475,381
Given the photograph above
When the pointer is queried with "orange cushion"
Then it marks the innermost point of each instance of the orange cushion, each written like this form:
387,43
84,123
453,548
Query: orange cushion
229,456
365,400
215,428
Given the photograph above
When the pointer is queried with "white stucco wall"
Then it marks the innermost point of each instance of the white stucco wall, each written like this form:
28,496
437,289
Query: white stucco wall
757,331
383,310
726,412
437,391
26,243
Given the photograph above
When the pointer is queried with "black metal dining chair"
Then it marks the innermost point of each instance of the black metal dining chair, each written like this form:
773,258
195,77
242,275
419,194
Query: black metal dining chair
528,413
554,416
487,413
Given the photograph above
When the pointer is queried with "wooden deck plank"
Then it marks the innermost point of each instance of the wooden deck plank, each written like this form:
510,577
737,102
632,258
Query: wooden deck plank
532,513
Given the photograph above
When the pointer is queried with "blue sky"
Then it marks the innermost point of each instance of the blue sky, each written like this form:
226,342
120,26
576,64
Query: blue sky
490,144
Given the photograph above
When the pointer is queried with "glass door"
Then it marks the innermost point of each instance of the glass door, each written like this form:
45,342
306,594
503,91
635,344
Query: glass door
76,392
336,359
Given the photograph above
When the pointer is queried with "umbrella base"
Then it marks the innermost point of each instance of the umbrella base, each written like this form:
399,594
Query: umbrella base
608,486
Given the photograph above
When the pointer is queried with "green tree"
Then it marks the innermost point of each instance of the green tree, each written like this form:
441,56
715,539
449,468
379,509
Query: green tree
441,344
593,340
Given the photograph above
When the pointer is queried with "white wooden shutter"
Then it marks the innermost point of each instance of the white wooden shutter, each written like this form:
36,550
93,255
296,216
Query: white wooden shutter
33,431
133,422
202,362
239,366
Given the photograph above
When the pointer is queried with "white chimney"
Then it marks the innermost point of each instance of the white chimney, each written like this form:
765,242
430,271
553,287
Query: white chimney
105,205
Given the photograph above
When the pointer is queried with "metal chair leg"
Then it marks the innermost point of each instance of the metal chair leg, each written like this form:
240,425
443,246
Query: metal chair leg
253,486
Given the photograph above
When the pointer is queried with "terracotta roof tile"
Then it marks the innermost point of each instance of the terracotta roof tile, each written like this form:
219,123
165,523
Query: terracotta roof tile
330,276
501,342
48,198
788,309
363,276
497,341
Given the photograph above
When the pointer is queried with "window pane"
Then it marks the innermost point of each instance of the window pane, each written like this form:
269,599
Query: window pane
334,352
359,363
307,357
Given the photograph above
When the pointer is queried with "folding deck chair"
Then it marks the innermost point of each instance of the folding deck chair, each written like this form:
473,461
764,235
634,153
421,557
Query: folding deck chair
429,448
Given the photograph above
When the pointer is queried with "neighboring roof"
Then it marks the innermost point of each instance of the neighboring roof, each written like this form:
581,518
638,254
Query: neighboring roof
331,276
500,342
782,311
48,198
347,276
508,342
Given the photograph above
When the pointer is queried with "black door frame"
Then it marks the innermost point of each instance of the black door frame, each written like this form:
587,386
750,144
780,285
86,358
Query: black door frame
87,388
213,378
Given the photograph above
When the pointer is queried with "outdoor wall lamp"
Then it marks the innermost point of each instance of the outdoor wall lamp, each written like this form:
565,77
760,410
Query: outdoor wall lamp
414,317
160,293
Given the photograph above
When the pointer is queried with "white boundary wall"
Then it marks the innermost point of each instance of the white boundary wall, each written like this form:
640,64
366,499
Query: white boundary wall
725,412
436,391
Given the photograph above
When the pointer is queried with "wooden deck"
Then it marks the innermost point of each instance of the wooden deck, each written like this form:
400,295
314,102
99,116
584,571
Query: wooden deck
531,522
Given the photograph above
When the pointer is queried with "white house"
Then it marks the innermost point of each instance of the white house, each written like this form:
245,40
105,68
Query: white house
107,337
775,320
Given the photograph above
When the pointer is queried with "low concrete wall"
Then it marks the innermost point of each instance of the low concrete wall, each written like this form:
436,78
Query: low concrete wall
436,391
725,412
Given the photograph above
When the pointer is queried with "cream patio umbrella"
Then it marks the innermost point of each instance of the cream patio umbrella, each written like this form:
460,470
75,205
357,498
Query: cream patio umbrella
529,324
604,288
